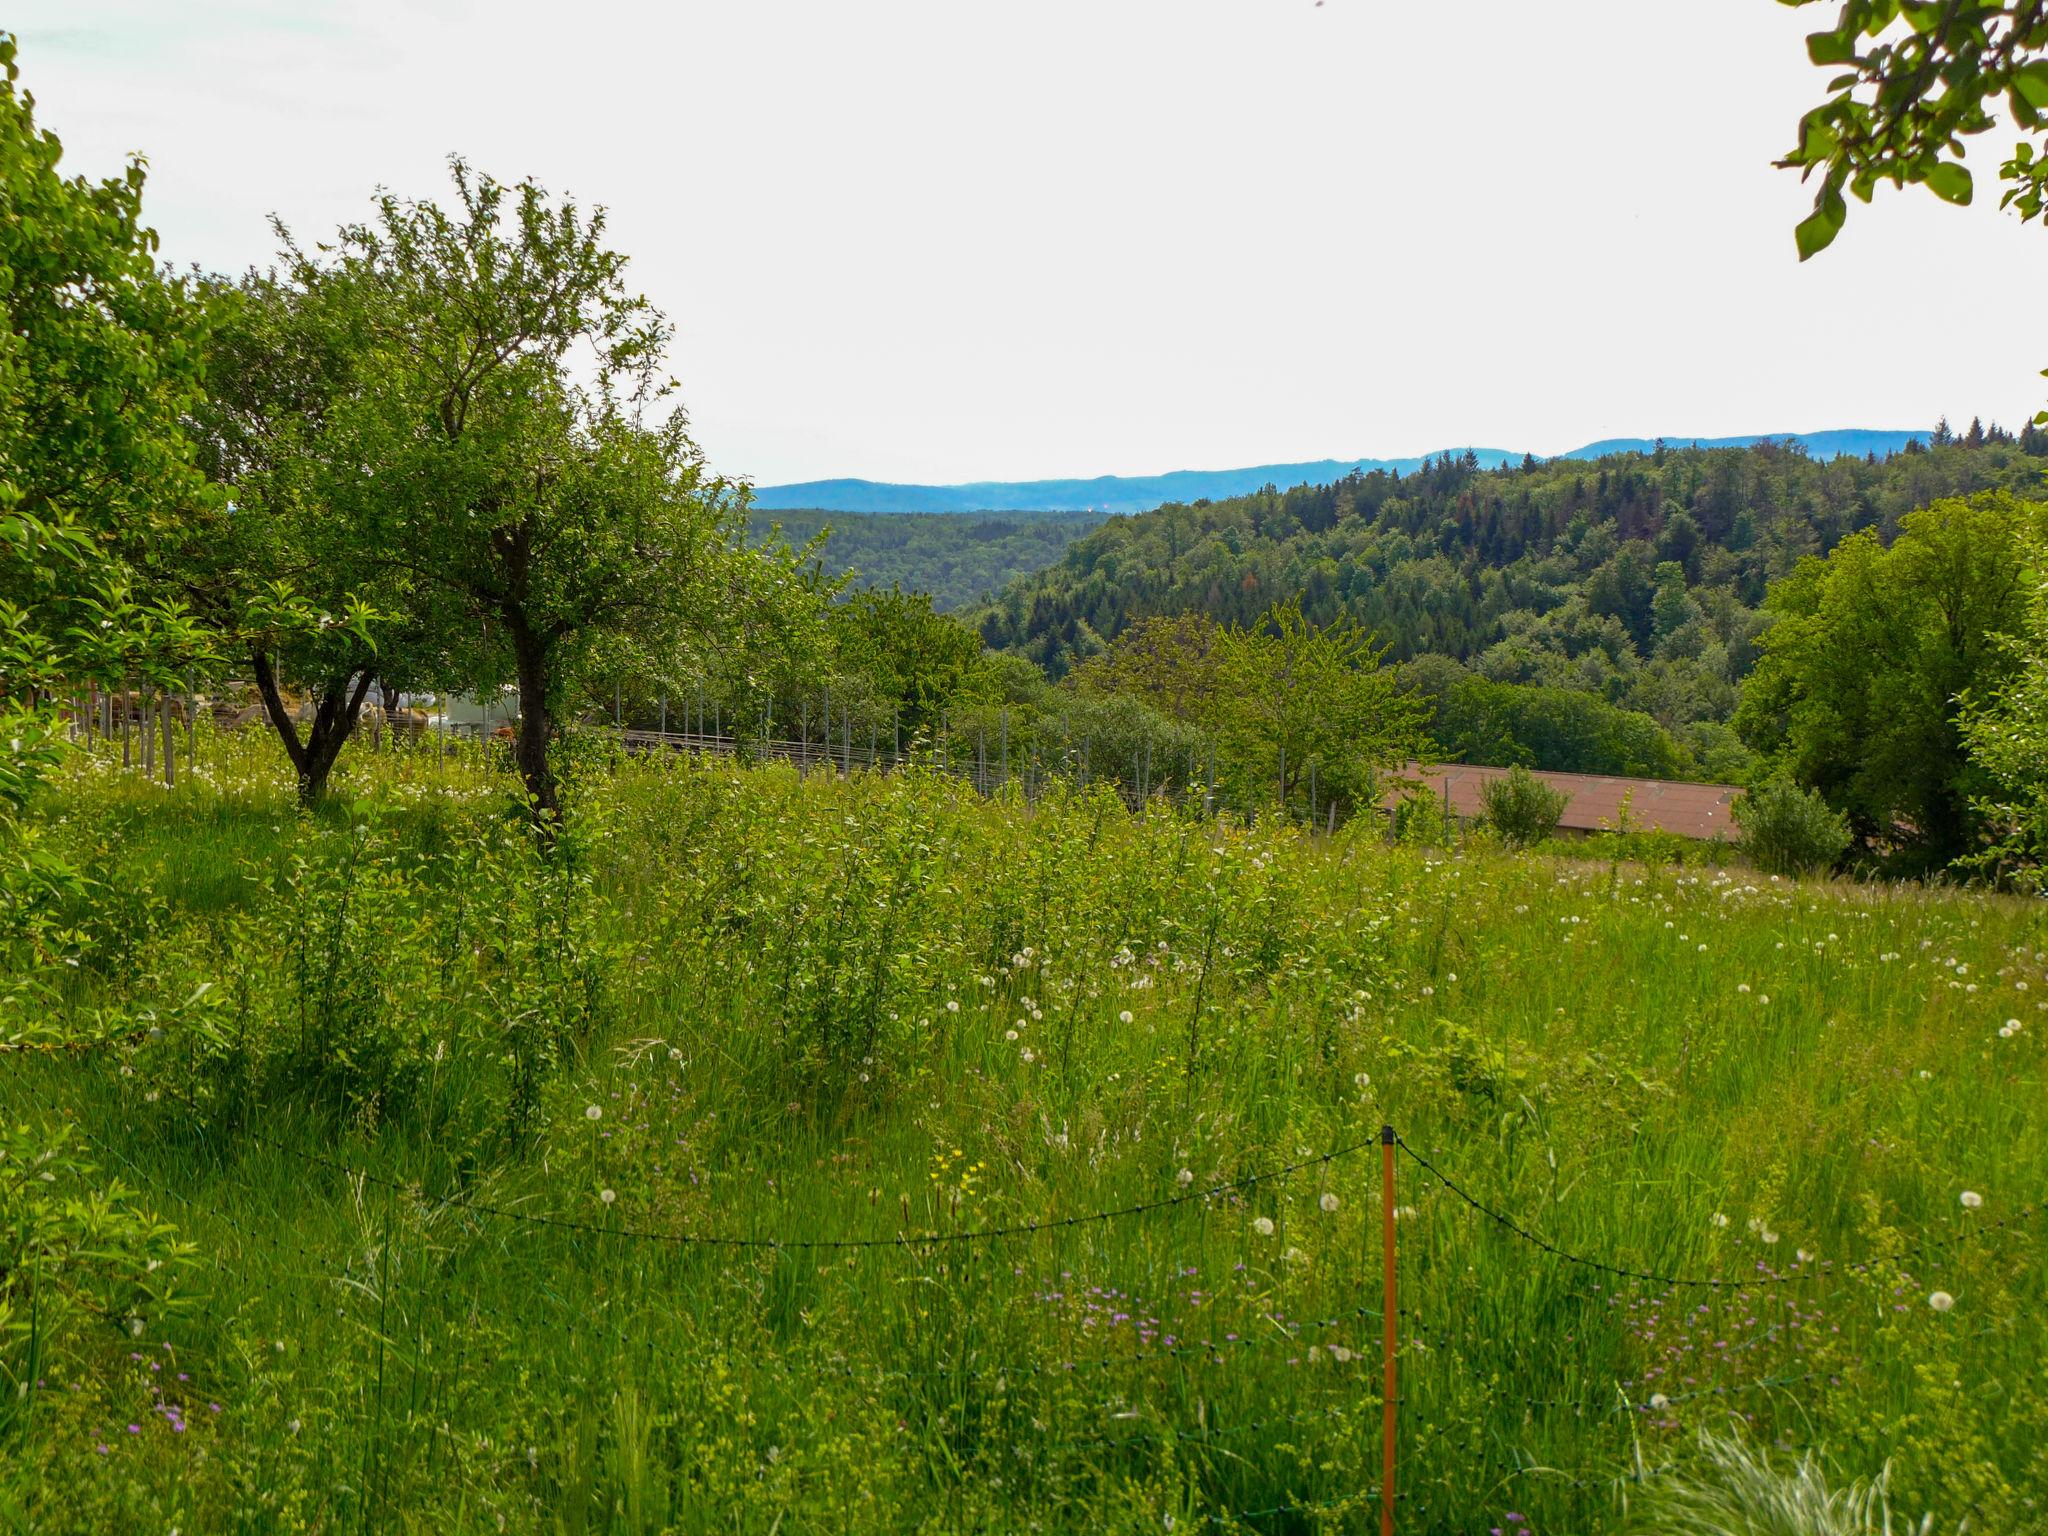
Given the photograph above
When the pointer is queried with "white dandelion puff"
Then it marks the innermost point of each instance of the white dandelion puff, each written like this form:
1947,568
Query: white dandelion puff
1941,1301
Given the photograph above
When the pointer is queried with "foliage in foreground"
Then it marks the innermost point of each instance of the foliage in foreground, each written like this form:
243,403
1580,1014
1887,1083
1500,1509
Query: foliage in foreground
743,1004
1740,1490
2007,737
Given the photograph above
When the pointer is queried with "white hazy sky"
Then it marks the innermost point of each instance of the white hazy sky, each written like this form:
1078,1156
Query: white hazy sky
979,239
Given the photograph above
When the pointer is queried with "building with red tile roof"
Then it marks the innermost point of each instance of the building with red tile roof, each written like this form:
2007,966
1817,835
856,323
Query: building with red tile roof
1593,802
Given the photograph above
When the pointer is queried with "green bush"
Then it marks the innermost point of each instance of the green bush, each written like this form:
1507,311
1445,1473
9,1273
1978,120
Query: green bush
1787,830
1522,808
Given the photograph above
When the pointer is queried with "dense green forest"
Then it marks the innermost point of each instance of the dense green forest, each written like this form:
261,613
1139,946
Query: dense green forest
957,557
1625,593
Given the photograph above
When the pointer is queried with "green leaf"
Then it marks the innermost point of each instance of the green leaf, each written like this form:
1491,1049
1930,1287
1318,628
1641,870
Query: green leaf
1950,182
1816,232
1830,47
2030,84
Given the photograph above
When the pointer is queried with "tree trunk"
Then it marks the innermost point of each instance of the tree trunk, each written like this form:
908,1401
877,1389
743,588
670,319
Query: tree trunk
170,742
536,727
341,703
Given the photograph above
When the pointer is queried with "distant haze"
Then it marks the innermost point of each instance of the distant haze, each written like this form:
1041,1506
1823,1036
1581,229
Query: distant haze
1141,493
924,241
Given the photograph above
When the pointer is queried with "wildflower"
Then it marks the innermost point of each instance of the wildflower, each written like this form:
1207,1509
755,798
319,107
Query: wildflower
1263,1225
952,1005
1717,1219
1028,1055
607,1195
1124,1017
1184,1178
1803,1256
1659,1400
1941,1301
1362,1081
1404,1213
1971,1200
593,1113
1768,1236
1009,1034
1329,1201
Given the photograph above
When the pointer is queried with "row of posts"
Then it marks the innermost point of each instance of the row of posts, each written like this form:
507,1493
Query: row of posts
807,751
142,719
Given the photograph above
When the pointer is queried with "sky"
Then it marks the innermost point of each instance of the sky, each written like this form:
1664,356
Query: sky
1011,239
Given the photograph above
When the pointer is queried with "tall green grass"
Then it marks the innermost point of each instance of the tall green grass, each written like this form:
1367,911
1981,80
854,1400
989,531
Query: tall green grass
881,1009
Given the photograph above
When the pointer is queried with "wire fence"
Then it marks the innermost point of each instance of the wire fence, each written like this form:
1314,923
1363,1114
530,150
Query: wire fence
1402,1328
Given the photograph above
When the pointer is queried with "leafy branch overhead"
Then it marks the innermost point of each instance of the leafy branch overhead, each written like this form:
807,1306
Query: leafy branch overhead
1917,82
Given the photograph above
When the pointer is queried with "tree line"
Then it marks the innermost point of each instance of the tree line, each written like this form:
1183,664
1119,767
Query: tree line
1635,582
957,557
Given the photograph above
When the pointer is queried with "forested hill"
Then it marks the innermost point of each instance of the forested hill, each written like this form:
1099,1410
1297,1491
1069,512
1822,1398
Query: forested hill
957,557
1141,493
1635,577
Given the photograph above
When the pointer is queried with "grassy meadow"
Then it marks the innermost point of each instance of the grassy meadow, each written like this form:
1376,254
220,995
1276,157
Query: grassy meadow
381,1129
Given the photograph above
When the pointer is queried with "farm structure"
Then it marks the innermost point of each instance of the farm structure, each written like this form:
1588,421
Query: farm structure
1594,802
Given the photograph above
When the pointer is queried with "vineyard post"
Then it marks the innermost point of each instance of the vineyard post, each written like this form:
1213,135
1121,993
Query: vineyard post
1387,1331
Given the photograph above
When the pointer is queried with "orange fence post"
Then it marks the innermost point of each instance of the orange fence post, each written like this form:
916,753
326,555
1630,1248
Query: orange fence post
1387,1331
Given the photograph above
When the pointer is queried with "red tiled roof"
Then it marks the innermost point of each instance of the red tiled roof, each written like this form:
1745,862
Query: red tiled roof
1594,800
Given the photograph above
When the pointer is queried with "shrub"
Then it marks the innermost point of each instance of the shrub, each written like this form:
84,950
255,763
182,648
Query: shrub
1521,807
78,1252
1787,830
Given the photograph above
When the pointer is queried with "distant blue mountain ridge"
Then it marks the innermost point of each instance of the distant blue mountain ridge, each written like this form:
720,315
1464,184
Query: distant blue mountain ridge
1141,493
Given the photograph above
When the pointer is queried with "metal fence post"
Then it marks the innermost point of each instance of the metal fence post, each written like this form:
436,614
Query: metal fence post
1387,1331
